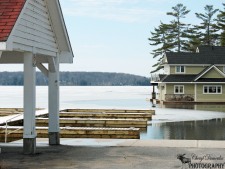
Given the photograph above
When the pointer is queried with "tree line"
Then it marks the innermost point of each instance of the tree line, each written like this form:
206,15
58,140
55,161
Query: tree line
178,36
79,79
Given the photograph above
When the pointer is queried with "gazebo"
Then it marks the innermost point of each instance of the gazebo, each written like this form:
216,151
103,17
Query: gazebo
33,33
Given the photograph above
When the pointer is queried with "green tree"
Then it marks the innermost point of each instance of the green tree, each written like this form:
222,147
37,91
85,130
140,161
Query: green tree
193,39
178,29
207,29
160,38
221,25
170,37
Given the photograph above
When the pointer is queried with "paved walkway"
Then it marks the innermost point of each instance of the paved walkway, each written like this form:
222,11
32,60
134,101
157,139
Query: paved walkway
124,154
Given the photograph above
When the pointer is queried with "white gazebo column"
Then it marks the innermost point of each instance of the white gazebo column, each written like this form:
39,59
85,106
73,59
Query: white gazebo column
53,101
29,133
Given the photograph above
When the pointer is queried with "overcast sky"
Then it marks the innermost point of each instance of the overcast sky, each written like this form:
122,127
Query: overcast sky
112,35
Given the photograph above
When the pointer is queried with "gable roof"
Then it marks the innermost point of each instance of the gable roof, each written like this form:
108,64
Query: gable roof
9,13
12,14
207,55
206,70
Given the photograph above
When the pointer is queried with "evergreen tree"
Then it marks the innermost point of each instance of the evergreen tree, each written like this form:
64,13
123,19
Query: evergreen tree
178,30
193,39
170,37
207,29
160,37
221,25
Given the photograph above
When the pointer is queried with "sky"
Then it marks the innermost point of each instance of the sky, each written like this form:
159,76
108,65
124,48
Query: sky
112,35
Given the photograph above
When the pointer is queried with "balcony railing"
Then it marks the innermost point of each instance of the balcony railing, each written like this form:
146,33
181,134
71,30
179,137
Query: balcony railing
179,97
155,78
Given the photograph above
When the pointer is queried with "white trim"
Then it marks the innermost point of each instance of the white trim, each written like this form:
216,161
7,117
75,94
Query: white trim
180,69
3,46
178,88
221,89
60,30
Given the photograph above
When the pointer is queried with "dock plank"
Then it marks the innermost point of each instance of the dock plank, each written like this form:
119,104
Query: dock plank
145,116
111,110
92,122
78,132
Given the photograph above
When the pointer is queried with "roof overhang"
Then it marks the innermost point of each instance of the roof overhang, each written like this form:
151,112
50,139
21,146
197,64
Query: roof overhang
66,52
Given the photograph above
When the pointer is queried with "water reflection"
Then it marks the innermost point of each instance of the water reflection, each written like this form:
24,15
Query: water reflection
205,107
187,130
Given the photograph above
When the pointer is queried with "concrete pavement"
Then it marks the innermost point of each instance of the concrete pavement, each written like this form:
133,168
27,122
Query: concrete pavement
112,154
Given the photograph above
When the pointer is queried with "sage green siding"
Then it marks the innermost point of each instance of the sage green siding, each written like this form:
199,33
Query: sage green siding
194,69
209,97
169,89
188,88
212,74
188,69
172,69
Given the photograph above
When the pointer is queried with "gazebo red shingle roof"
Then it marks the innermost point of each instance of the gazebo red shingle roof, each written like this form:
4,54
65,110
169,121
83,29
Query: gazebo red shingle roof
9,12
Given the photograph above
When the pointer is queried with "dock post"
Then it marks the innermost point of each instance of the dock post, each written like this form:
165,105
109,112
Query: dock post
29,133
53,95
153,96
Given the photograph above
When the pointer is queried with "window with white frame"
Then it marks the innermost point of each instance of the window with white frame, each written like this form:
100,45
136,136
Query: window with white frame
212,89
178,89
180,69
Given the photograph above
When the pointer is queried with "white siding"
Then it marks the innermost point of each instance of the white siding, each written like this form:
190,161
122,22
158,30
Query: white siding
167,69
34,29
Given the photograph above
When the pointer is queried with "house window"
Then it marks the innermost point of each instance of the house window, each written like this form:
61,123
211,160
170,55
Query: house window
178,89
212,89
180,69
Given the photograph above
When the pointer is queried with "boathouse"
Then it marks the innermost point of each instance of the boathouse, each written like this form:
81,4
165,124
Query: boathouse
33,33
193,77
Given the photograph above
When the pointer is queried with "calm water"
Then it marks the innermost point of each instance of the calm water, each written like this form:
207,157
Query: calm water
183,122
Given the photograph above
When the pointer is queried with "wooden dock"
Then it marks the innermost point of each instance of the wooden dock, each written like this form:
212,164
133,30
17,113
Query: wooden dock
82,123
76,132
110,111
106,115
92,122
9,111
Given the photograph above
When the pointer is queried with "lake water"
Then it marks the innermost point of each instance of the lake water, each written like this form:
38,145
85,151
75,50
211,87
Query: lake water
184,122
